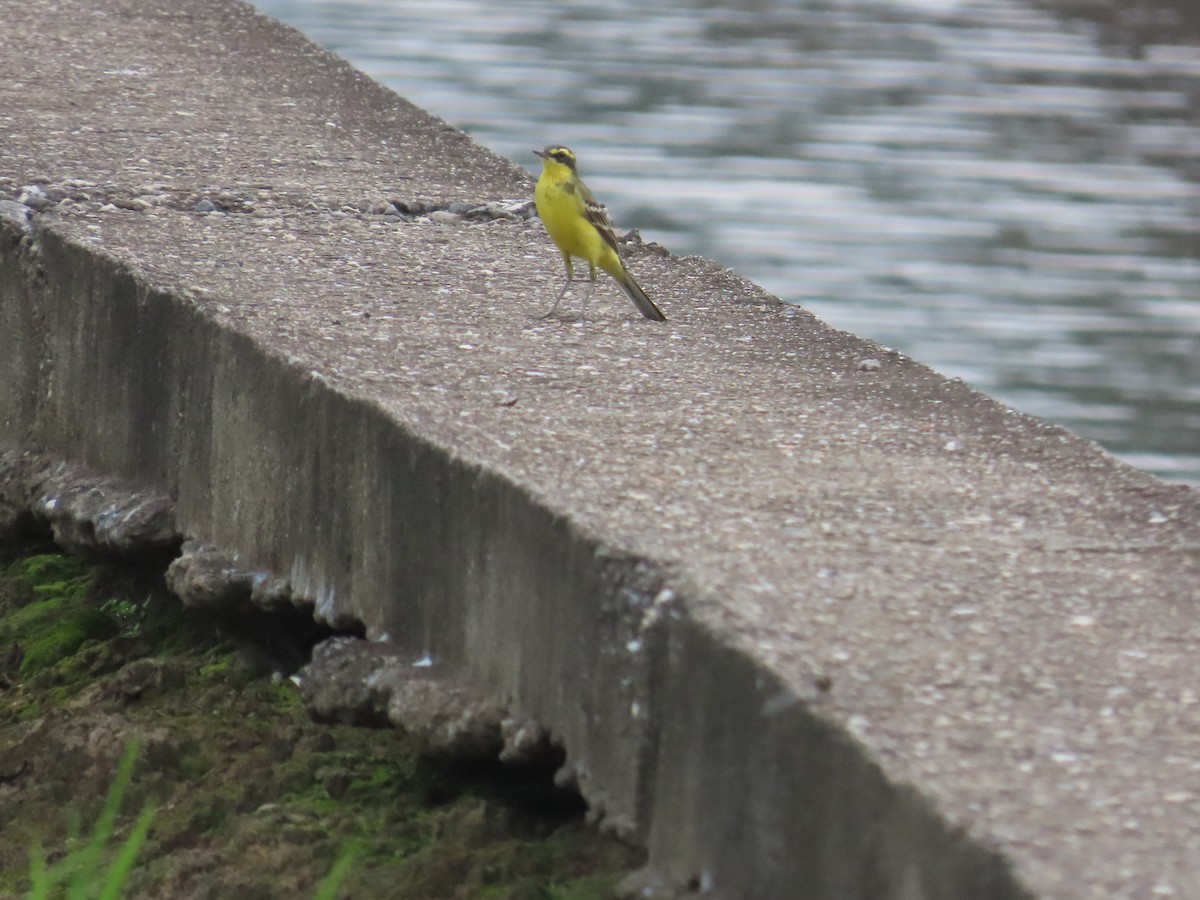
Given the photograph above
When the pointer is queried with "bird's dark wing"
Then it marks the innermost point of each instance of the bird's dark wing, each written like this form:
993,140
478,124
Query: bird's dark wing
598,216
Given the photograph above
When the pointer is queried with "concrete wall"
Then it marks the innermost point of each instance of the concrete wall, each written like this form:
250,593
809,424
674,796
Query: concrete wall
807,626
370,522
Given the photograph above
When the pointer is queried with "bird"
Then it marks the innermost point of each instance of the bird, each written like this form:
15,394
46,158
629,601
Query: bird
581,228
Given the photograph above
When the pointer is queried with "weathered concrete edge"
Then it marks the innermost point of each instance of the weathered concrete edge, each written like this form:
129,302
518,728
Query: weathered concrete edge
680,741
756,796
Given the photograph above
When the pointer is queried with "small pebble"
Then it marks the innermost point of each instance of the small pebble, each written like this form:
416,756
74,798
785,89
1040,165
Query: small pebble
336,785
134,203
410,207
508,210
34,197
205,206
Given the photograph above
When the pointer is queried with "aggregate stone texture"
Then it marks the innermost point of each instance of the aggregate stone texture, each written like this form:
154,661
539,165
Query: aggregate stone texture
873,634
87,514
358,681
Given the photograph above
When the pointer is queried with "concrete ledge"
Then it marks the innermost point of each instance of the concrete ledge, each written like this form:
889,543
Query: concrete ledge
809,619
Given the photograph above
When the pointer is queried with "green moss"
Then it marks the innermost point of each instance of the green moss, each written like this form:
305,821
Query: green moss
48,616
283,696
126,614
52,630
47,569
602,886
253,799
221,662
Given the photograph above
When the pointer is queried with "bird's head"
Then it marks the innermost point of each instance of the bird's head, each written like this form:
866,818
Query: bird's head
555,155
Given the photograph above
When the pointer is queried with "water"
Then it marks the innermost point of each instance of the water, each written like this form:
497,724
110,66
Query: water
1008,195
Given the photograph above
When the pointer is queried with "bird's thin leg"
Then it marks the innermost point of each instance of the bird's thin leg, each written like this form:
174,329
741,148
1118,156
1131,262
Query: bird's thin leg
557,300
566,286
587,297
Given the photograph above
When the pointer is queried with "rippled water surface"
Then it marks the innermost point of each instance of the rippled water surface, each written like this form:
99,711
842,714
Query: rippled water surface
1005,193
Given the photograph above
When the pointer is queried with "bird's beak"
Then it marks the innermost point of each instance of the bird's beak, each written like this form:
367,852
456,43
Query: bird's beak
539,153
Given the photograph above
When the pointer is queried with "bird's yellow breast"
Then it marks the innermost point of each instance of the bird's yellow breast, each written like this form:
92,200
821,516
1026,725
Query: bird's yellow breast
561,209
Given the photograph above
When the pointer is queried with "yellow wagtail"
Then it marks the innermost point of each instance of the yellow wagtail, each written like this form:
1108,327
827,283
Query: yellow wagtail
580,226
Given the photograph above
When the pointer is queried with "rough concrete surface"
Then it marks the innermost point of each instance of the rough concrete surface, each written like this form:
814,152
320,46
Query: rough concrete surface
809,619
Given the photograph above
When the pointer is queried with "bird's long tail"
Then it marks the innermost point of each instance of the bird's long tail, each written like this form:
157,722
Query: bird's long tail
635,293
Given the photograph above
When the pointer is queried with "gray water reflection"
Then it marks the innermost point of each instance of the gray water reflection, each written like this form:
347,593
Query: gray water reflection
1008,193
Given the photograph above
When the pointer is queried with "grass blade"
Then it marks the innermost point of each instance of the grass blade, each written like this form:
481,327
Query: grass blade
123,864
332,883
